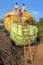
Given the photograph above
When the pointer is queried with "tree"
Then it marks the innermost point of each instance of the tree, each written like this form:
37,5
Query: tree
1,21
40,26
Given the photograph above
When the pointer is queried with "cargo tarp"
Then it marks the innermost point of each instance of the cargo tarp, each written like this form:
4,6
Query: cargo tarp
16,33
7,23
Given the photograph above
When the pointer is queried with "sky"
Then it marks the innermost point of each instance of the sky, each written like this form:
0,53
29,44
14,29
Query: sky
35,7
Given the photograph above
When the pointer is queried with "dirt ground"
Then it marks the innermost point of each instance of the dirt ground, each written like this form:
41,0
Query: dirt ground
38,59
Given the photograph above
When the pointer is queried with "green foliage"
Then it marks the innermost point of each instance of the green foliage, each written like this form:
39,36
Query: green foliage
40,26
1,21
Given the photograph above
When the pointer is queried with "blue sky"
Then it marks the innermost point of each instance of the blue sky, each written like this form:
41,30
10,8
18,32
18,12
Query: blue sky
35,7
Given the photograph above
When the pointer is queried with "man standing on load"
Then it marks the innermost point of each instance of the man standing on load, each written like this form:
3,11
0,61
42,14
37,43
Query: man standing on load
16,6
23,8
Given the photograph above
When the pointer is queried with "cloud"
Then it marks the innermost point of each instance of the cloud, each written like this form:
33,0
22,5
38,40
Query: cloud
35,12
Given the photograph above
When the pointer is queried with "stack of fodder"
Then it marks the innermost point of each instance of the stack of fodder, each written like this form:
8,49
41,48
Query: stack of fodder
7,51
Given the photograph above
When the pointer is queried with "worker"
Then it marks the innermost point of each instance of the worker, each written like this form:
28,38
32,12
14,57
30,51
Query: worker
23,8
20,15
16,6
15,9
